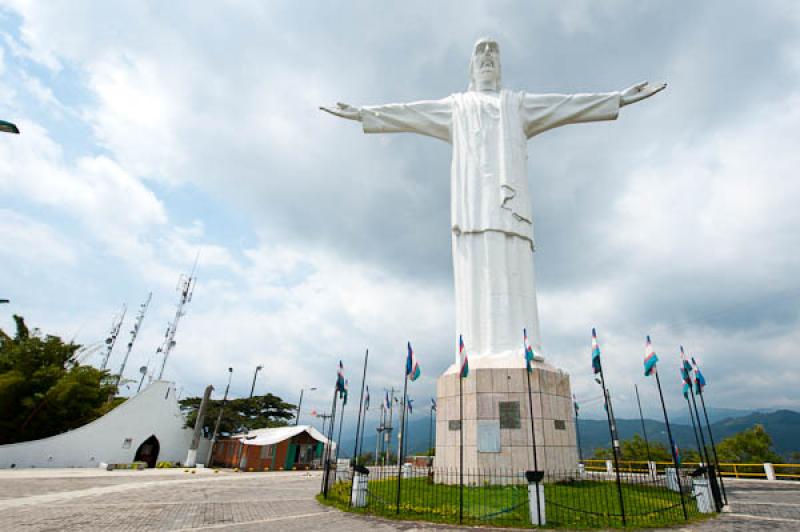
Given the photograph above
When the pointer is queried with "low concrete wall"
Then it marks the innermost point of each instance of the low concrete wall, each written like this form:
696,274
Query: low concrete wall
113,438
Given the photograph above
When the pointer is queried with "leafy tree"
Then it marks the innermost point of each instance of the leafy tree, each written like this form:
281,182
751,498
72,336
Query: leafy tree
636,449
241,414
43,389
753,445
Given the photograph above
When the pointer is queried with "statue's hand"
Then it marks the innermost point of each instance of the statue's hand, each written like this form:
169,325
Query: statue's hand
344,110
639,92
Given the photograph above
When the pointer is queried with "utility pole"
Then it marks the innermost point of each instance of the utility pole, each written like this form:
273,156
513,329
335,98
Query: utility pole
134,332
388,429
325,418
255,374
186,289
116,324
219,418
191,456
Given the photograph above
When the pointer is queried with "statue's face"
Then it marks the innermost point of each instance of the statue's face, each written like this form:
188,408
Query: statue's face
486,61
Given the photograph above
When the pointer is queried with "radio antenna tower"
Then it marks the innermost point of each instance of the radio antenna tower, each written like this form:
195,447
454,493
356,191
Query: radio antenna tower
134,332
186,289
112,336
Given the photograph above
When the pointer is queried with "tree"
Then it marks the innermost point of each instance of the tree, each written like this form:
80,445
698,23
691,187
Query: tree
636,449
241,414
43,389
753,445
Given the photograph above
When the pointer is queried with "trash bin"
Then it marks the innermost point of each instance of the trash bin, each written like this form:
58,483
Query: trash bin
536,497
672,479
358,498
702,494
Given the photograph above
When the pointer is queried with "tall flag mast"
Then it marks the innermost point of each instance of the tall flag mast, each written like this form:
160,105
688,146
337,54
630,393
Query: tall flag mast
711,475
529,356
699,385
650,368
134,332
186,289
411,372
597,367
116,325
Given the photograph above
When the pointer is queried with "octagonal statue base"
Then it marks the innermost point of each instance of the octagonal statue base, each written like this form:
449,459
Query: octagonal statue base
496,418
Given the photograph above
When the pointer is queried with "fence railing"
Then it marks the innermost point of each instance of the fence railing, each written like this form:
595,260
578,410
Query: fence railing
765,471
577,499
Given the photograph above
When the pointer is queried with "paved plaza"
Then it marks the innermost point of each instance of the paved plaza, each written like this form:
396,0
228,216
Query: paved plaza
78,499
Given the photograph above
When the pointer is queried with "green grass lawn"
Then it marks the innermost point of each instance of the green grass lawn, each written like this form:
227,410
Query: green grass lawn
577,504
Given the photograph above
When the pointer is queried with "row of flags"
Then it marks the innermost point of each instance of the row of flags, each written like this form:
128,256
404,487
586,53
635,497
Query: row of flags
687,370
690,373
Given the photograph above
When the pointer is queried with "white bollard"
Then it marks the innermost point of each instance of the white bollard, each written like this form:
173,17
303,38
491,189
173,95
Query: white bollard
405,471
581,470
536,504
672,479
609,467
702,494
769,469
651,467
358,497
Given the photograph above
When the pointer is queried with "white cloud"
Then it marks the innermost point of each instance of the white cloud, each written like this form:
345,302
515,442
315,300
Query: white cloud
31,242
692,197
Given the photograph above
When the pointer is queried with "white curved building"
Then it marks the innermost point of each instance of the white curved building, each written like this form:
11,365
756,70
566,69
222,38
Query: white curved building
148,427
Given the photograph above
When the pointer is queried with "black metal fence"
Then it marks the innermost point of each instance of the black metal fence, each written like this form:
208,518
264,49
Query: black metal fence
501,498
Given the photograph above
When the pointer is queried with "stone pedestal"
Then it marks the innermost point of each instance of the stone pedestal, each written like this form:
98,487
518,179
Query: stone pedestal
496,420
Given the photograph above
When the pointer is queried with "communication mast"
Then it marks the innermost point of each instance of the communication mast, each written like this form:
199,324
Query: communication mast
134,332
112,336
186,289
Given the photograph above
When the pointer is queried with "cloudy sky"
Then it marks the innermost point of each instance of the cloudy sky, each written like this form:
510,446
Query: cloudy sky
152,131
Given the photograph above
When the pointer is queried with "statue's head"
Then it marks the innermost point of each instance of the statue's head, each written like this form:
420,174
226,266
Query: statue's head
484,66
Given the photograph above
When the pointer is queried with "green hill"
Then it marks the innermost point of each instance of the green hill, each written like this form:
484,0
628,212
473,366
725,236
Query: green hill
782,425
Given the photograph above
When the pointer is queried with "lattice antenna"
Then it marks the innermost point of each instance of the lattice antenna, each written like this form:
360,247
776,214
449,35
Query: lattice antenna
111,340
186,289
134,332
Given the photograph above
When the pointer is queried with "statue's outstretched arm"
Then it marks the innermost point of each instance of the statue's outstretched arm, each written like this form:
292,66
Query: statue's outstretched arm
639,92
344,110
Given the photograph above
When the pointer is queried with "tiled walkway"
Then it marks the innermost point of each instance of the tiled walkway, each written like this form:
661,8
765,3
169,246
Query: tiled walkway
66,500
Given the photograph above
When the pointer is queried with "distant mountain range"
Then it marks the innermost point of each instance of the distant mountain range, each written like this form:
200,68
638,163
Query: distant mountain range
782,425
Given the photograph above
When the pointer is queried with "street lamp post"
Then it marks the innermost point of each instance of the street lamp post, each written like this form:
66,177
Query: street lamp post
8,127
219,418
255,374
300,404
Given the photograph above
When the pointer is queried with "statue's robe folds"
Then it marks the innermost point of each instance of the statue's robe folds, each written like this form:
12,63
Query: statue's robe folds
492,224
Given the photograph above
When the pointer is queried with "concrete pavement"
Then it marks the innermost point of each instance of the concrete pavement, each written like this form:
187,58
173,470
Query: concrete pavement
86,499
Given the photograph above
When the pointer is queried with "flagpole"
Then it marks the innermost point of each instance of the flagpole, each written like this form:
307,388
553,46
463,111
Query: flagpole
388,439
328,450
360,406
363,428
694,427
713,446
460,446
711,478
577,430
672,447
533,438
430,430
339,437
400,443
614,442
641,418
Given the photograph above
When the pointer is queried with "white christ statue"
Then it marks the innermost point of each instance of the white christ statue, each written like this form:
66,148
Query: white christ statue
491,220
